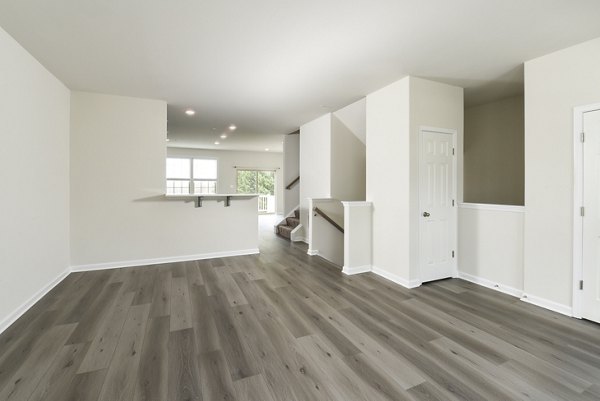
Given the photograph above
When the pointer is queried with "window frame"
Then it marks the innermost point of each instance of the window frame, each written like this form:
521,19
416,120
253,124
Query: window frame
191,184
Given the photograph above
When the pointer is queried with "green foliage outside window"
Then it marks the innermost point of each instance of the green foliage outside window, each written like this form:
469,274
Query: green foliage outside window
256,182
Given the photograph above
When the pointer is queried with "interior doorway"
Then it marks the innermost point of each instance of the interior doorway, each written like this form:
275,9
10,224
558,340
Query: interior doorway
437,204
261,182
586,247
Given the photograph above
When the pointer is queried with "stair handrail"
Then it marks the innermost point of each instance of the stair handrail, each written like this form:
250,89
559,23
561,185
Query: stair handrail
291,184
328,219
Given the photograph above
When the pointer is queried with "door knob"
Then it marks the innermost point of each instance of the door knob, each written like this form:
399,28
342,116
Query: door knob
425,214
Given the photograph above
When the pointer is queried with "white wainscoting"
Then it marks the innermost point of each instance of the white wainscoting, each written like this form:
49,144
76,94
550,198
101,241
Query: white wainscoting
490,246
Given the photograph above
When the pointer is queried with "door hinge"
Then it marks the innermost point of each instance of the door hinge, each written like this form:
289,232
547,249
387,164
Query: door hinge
582,211
452,202
581,284
452,253
452,151
583,137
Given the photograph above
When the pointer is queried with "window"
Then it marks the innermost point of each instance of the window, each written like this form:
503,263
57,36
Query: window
260,182
191,176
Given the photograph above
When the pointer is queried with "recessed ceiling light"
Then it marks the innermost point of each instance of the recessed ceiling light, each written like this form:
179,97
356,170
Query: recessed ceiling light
168,139
266,149
232,127
190,112
223,136
217,142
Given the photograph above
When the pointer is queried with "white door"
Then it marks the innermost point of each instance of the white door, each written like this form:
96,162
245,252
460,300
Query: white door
437,227
591,220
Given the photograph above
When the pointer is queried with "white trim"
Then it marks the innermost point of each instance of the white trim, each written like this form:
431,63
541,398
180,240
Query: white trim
356,270
578,113
484,282
437,129
454,134
17,313
547,304
357,203
395,278
493,207
312,252
323,199
156,261
297,238
192,196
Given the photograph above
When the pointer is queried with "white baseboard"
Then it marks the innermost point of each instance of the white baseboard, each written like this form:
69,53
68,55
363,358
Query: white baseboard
356,270
156,261
547,304
491,284
395,278
530,299
312,252
10,319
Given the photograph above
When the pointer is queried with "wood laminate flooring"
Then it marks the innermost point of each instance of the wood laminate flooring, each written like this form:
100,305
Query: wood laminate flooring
286,326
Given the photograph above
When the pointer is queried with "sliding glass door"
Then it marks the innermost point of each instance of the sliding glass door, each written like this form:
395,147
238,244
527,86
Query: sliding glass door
260,182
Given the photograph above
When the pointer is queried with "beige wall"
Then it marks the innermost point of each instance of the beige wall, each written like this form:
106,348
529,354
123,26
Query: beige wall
348,163
119,215
554,84
34,173
228,159
494,153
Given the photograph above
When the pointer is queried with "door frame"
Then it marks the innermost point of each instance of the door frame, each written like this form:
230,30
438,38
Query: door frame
454,214
578,114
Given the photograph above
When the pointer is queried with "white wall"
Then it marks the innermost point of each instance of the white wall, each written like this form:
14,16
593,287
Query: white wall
228,159
554,84
118,212
490,246
34,172
315,164
395,115
333,157
494,152
291,171
432,104
354,117
388,177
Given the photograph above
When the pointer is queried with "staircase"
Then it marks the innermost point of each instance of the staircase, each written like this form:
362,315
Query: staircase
286,227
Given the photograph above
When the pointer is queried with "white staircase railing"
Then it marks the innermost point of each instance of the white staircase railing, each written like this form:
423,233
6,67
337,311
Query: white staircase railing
266,204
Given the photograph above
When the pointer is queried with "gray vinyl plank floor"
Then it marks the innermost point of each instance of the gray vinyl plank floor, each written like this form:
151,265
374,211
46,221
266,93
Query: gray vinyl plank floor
286,326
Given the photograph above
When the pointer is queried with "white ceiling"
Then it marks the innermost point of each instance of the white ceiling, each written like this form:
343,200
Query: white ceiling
271,65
